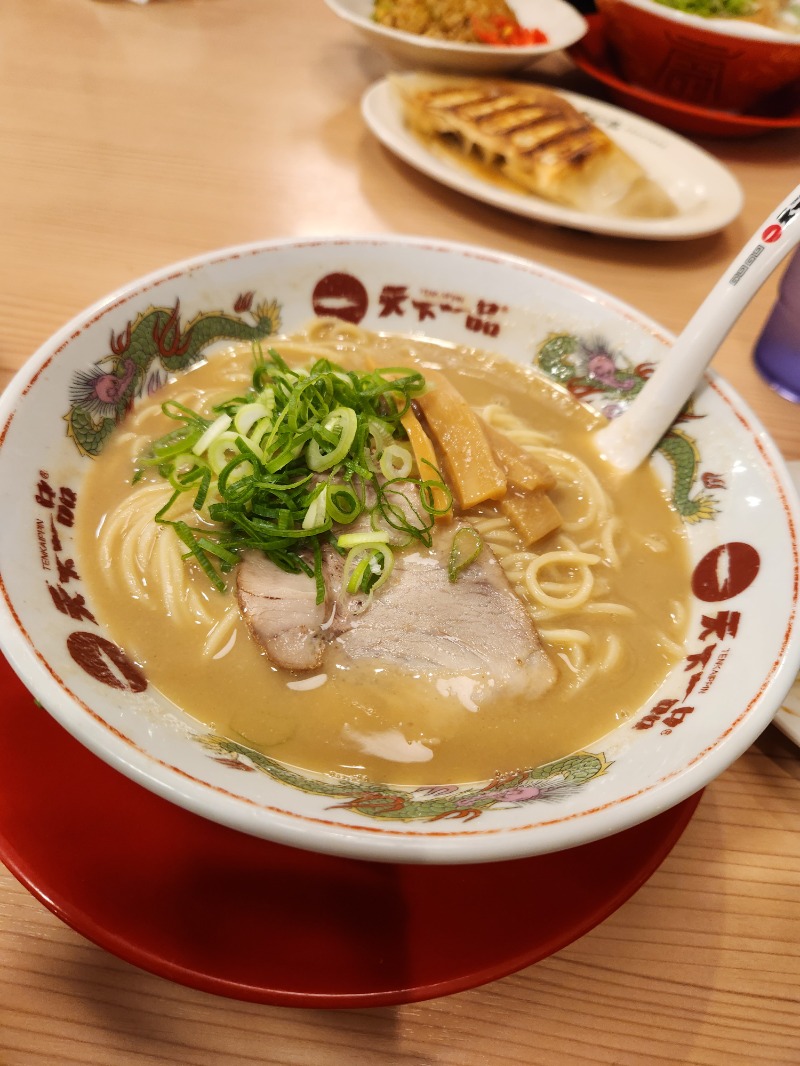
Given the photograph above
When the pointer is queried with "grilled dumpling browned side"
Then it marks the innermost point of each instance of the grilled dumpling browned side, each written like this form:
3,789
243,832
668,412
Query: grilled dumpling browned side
534,137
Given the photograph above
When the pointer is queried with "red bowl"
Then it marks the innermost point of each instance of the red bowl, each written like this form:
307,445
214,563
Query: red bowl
714,63
593,56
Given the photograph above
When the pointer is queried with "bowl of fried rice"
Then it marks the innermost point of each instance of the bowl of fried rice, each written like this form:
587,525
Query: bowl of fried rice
467,36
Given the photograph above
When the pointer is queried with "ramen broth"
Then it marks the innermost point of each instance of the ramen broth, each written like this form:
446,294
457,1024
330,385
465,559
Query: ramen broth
368,719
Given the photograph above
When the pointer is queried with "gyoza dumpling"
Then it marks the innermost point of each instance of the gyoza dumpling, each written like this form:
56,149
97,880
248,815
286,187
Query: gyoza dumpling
534,137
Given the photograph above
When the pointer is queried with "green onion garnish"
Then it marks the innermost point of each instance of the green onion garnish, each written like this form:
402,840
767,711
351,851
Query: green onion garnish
275,468
465,549
367,567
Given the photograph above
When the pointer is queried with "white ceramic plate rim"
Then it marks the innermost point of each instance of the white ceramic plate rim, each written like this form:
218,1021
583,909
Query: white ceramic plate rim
564,17
659,151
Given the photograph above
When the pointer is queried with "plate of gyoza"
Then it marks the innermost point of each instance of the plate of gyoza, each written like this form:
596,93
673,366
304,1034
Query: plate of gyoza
554,156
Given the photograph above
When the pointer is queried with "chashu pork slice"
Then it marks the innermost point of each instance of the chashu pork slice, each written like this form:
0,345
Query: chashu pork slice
534,137
475,627
281,612
419,621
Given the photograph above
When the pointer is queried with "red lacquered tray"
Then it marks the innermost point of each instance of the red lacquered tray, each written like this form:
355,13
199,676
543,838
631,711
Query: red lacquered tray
234,915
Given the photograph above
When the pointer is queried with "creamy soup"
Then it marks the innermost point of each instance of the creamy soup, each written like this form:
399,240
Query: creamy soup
606,591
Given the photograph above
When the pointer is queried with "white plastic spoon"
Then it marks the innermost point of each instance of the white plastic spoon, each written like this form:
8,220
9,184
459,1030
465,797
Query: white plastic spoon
629,439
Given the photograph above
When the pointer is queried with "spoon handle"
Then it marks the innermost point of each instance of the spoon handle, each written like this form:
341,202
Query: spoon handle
628,440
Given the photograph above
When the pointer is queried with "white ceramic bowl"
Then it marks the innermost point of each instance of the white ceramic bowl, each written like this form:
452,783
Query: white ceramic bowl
558,19
742,650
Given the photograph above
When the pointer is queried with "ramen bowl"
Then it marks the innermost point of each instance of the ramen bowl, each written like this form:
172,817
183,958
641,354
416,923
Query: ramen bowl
720,63
558,20
725,479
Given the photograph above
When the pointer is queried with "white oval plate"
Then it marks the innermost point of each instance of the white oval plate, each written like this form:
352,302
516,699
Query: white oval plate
707,195
788,717
558,19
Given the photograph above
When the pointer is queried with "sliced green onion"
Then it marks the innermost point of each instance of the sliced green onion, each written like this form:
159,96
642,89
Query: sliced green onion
221,451
246,447
187,535
213,548
343,504
427,497
216,429
203,490
367,567
342,423
464,550
396,461
360,540
259,430
181,413
315,515
232,486
395,514
356,566
381,433
319,580
174,444
247,416
160,515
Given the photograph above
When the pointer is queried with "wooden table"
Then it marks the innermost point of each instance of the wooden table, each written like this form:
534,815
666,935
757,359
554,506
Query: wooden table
133,136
